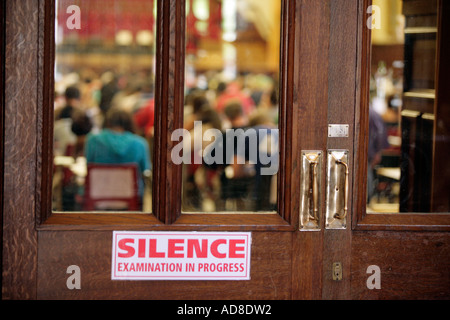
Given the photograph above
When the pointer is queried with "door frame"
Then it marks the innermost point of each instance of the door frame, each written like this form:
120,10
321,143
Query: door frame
2,117
401,245
169,98
321,87
373,222
28,144
28,134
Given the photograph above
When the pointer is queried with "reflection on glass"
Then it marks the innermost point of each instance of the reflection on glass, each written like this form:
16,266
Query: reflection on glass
104,107
403,111
231,106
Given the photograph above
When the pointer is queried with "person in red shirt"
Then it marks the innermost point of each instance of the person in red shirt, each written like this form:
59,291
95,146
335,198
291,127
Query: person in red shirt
233,93
145,118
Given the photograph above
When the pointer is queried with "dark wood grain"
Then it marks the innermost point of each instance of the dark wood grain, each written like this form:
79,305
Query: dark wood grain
99,222
286,179
361,140
310,105
19,235
2,114
169,97
325,67
63,249
414,265
169,103
45,110
341,105
440,191
405,222
409,249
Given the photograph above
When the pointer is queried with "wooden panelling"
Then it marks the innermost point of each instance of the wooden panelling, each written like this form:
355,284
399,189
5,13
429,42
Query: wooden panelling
287,113
21,83
441,169
28,145
105,222
325,69
362,99
413,265
309,127
410,249
2,113
341,102
91,251
45,111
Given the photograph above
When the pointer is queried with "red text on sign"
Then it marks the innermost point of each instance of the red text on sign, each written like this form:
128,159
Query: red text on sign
182,248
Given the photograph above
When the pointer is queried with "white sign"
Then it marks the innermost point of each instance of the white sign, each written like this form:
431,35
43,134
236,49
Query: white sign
181,256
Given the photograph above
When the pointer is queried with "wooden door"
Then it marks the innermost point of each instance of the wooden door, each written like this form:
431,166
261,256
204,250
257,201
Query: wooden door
324,56
407,240
56,241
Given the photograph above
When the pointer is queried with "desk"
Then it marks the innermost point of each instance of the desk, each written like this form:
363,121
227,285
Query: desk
64,169
78,166
391,173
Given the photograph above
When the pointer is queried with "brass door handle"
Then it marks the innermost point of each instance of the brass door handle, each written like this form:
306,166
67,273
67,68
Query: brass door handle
345,205
314,193
310,190
337,178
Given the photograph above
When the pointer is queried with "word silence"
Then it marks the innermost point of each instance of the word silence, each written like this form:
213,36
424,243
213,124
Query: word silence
181,256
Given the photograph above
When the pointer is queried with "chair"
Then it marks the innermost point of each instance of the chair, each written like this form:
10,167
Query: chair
67,173
111,187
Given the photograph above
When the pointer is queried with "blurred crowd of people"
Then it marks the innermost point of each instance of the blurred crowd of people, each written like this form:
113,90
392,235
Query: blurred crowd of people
109,118
106,119
384,130
249,101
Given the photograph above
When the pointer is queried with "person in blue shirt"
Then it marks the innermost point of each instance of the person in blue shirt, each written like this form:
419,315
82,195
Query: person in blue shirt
118,144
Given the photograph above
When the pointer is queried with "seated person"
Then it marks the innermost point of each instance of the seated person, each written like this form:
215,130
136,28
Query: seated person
63,135
82,125
117,144
250,160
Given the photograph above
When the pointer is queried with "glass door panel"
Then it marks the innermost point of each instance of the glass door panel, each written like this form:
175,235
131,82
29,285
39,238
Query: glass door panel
104,107
229,148
405,171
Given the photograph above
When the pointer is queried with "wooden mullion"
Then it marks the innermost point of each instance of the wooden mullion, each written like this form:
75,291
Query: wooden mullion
2,117
169,101
45,114
361,140
287,197
310,111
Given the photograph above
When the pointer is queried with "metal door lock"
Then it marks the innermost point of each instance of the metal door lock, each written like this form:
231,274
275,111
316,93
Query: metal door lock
337,271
